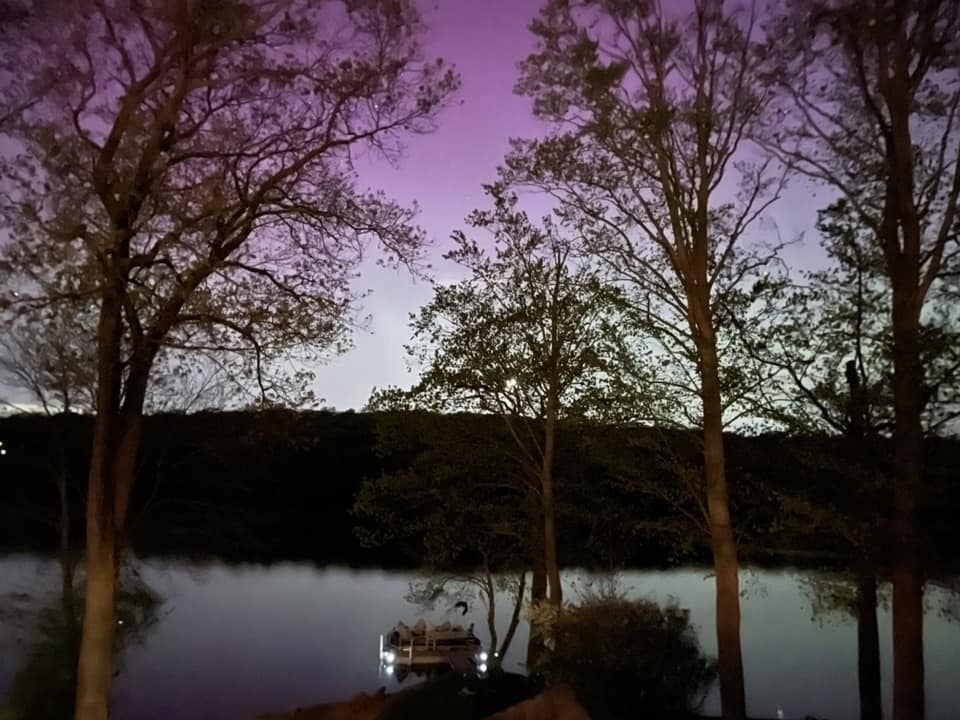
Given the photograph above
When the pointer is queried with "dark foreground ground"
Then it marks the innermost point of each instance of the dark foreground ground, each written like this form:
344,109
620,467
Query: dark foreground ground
502,696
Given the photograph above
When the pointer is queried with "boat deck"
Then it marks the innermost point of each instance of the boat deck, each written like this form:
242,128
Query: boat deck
460,651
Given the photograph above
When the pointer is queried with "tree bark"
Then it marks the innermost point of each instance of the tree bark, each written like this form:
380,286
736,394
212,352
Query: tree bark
116,444
723,542
868,646
908,671
95,668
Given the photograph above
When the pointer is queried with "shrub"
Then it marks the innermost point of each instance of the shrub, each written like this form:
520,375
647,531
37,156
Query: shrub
626,658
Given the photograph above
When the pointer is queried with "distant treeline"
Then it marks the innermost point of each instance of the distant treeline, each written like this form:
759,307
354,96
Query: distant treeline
279,484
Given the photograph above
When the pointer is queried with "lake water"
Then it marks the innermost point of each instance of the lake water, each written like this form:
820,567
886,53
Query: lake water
233,641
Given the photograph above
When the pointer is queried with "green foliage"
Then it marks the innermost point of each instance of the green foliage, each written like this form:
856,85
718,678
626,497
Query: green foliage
532,319
626,658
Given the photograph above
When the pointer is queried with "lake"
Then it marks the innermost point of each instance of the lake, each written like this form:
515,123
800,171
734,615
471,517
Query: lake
232,641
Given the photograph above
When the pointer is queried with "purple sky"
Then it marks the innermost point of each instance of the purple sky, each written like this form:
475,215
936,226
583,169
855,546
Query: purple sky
444,172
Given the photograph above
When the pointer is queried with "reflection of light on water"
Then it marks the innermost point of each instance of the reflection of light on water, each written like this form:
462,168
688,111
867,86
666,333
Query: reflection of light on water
388,669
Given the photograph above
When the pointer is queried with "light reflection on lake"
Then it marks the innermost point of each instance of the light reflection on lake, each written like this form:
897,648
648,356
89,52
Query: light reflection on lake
237,640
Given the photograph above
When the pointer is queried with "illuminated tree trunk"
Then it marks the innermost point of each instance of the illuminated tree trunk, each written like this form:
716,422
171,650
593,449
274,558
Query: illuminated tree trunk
116,444
723,543
96,646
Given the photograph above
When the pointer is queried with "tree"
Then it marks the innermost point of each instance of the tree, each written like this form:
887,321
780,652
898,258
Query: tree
47,355
838,381
186,168
871,92
460,501
650,123
46,361
530,335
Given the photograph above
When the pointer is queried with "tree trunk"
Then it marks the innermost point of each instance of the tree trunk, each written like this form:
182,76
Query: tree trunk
95,668
555,592
908,673
116,444
732,694
868,646
491,592
538,579
868,635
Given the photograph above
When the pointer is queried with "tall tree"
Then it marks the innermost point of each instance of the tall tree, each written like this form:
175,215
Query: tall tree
838,381
531,334
871,92
651,115
185,167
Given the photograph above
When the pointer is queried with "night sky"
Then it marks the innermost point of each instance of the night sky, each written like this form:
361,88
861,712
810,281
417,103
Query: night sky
444,172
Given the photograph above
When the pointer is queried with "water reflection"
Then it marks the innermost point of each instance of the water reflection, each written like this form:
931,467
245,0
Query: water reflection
856,597
237,641
44,684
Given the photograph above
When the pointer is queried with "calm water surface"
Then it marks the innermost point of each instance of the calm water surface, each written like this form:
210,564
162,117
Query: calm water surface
233,641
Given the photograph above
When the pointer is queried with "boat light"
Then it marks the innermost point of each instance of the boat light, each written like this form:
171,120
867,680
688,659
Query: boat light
483,657
391,657
482,668
388,669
